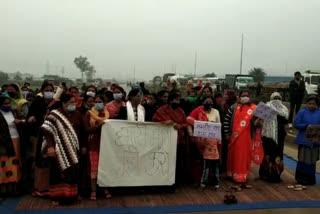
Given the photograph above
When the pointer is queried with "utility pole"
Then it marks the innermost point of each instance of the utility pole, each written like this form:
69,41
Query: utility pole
241,54
134,73
62,71
195,64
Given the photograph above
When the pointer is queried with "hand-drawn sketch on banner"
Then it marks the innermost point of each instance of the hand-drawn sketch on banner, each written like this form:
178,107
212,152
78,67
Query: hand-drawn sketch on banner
137,154
207,129
265,112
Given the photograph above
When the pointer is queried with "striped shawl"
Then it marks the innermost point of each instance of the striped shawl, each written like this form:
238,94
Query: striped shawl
64,137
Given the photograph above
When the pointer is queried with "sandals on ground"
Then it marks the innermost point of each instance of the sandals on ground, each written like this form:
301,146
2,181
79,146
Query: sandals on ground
107,194
230,199
297,187
238,188
245,186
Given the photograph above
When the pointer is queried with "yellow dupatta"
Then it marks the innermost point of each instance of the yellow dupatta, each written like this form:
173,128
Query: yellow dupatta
94,116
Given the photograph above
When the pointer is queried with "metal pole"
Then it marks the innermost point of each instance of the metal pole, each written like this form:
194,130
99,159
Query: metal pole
241,54
195,64
134,73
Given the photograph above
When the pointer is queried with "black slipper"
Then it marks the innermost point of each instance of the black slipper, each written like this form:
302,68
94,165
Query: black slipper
230,199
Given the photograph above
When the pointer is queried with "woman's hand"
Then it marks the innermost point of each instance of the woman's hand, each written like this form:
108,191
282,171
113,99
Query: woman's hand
16,121
83,151
168,122
51,152
177,126
190,131
100,125
32,119
258,122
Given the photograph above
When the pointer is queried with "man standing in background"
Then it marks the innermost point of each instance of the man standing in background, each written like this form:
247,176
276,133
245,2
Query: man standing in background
297,89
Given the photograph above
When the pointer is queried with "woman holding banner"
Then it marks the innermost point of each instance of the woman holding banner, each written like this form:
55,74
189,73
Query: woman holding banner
172,114
210,149
308,153
242,130
93,122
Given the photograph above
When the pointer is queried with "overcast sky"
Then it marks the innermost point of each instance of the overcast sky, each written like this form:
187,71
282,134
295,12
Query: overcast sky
281,36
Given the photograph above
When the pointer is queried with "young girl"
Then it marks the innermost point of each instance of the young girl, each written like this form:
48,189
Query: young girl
93,121
209,148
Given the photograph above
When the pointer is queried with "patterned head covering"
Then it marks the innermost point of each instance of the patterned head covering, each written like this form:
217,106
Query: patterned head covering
274,95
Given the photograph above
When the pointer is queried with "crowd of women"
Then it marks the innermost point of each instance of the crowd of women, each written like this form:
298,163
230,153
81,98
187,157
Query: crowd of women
52,138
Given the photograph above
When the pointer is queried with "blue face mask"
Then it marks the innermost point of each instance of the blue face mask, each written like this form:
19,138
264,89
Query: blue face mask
6,108
71,108
5,94
99,106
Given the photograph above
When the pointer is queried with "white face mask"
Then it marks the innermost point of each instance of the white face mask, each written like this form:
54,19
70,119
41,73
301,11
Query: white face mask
91,94
244,100
117,96
48,95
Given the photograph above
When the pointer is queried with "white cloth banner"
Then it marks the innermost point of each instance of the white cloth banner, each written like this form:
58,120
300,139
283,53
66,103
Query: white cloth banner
207,129
137,154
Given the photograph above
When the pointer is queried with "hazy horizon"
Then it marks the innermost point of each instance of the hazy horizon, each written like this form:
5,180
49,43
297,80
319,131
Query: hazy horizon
280,36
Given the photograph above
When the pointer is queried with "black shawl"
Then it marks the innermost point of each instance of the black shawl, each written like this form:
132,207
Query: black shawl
6,144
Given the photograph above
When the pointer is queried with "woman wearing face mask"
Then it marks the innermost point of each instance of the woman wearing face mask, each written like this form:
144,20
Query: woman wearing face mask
91,90
273,135
308,153
191,102
18,102
115,105
24,91
93,122
62,152
206,91
210,149
150,106
172,114
133,111
88,103
241,129
74,91
39,108
9,149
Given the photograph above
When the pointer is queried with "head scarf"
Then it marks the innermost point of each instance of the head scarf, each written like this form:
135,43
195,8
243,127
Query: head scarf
136,86
270,128
232,97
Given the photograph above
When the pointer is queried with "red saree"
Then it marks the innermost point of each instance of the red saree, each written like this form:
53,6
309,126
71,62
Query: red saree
242,148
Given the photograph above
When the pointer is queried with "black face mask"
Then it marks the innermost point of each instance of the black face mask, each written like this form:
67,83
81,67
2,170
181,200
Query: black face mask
12,94
174,105
297,78
207,106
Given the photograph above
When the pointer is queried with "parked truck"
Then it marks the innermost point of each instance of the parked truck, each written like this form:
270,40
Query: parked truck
312,81
281,84
238,81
